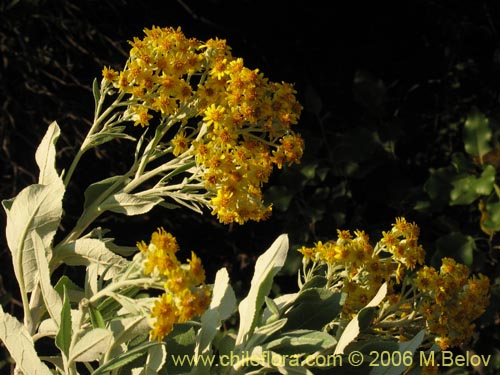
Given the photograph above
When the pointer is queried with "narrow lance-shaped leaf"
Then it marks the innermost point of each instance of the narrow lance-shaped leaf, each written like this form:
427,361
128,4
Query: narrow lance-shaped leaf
221,307
36,207
46,156
130,204
91,346
20,345
266,267
63,338
51,298
87,251
351,331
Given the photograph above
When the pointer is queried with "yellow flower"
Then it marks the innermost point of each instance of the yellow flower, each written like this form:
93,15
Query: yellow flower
214,115
185,296
109,74
196,270
180,143
141,116
164,315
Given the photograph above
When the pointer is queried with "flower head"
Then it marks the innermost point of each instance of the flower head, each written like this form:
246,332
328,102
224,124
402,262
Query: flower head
225,111
185,293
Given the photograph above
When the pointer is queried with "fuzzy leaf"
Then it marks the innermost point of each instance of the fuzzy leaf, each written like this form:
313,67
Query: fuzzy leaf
36,207
51,298
314,309
352,329
266,267
46,156
20,345
223,298
127,329
91,345
86,251
301,341
130,204
221,307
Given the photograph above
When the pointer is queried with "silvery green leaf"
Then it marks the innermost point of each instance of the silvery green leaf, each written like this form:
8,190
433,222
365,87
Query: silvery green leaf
262,333
91,346
282,302
86,251
48,327
130,204
75,292
127,329
157,356
223,297
266,267
51,298
91,280
301,341
221,307
130,305
20,345
46,155
36,207
352,329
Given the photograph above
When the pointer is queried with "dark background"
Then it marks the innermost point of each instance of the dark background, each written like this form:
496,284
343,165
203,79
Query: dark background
385,87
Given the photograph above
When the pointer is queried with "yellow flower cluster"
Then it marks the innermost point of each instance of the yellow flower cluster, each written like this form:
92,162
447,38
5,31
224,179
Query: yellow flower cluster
448,300
186,294
359,269
244,121
452,301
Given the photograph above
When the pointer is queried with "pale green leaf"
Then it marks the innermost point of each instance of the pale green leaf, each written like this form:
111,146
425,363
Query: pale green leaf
301,341
223,297
221,307
51,298
36,207
127,329
282,302
20,345
157,356
352,329
266,267
130,204
48,327
262,333
86,251
477,134
91,346
46,156
75,292
314,308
